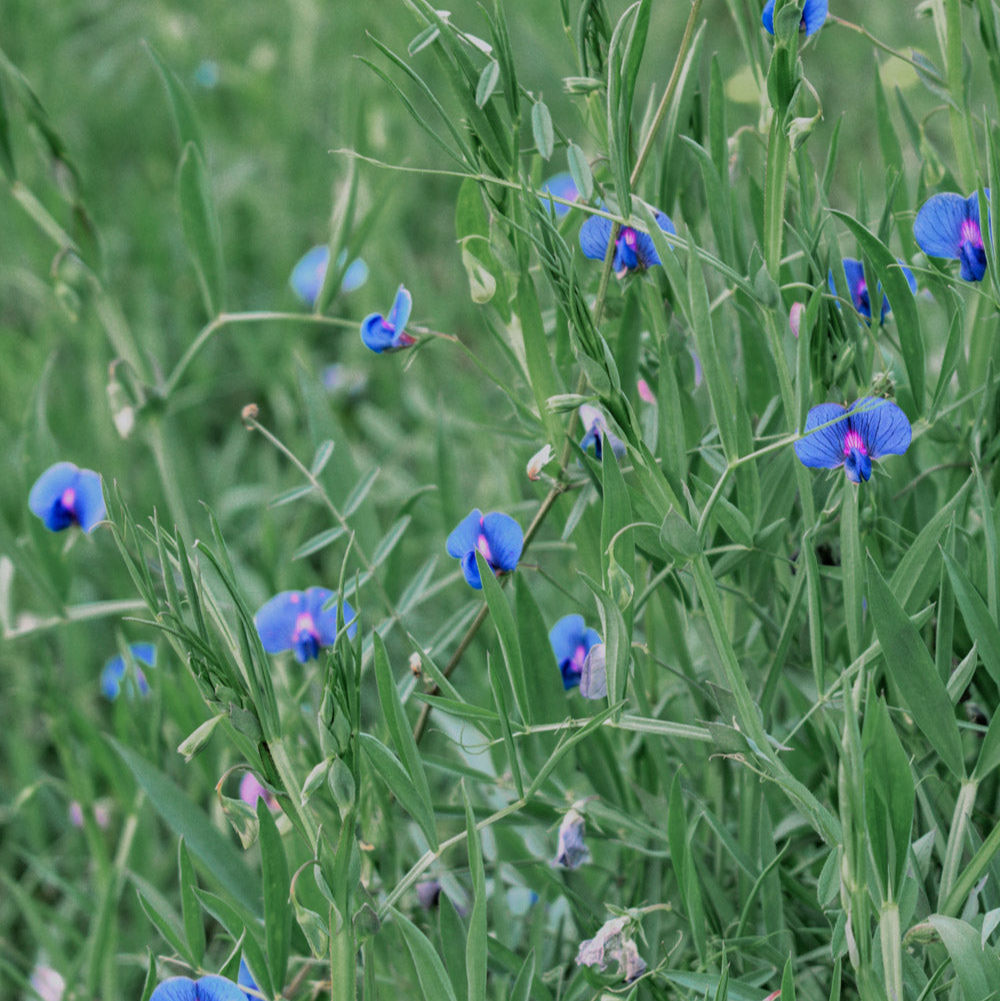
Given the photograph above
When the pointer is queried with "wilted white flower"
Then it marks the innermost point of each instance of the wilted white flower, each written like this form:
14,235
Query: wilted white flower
572,851
539,460
48,984
612,943
594,678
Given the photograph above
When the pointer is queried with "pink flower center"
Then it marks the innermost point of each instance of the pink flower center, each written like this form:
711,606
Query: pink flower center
484,547
304,625
970,233
853,441
68,498
579,656
629,236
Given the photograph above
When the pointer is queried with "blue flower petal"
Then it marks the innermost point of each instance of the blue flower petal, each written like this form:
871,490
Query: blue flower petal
505,539
275,620
854,272
645,250
471,570
43,500
89,499
565,636
356,274
307,276
245,979
400,312
203,989
767,17
908,275
562,186
594,236
938,226
376,333
665,223
823,449
465,536
111,677
813,15
882,425
326,620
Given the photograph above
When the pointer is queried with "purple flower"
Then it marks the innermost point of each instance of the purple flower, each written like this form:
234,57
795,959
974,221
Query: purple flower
571,642
65,495
562,186
497,536
202,989
252,789
382,333
634,250
428,894
307,276
813,16
572,852
854,272
297,620
597,430
871,428
113,673
947,225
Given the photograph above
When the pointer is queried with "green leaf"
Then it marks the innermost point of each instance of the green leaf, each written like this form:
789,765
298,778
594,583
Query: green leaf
433,977
546,694
277,913
616,513
541,129
496,686
194,924
386,765
201,228
235,923
163,917
189,821
487,82
185,118
852,564
913,674
476,945
510,647
580,169
318,542
977,969
981,625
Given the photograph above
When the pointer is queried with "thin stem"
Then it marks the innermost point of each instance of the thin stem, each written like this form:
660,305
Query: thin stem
924,70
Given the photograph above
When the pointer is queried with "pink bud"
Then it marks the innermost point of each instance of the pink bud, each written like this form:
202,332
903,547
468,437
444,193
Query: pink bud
795,317
645,393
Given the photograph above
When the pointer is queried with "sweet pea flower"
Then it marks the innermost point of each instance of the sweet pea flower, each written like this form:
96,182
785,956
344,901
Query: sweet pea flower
251,992
645,393
571,642
947,225
795,315
297,621
870,428
497,536
854,272
813,16
572,852
382,333
48,984
113,674
252,789
209,988
597,430
539,461
307,276
562,186
594,676
634,250
66,495
613,942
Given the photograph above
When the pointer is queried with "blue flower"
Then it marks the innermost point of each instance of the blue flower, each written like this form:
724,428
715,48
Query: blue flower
246,980
854,272
307,276
947,225
202,989
813,16
871,428
562,186
572,852
571,642
497,536
596,431
298,621
634,250
65,495
113,673
387,333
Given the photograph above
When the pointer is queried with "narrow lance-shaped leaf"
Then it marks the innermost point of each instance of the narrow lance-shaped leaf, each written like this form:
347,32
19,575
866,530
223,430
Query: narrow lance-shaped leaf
201,228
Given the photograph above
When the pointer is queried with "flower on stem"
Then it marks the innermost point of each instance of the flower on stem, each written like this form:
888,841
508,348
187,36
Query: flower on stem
596,431
634,250
539,461
209,988
381,333
645,393
562,186
594,676
571,642
854,272
613,942
298,621
795,315
871,428
66,495
496,536
47,983
572,852
947,225
307,276
114,675
813,15
252,789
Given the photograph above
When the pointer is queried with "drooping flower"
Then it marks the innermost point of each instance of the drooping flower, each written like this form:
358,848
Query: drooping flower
947,225
113,674
497,536
594,676
307,276
871,428
539,461
297,621
209,988
66,495
597,431
252,789
854,272
562,186
613,942
572,852
382,333
571,642
813,15
634,250
428,894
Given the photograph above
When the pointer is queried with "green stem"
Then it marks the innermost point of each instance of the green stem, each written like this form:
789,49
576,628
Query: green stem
971,874
892,953
956,85
956,838
343,960
168,476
